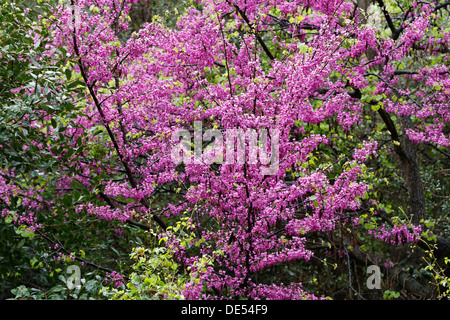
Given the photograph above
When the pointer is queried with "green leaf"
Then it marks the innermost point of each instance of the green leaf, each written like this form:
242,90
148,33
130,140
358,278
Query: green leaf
21,243
68,73
67,200
69,153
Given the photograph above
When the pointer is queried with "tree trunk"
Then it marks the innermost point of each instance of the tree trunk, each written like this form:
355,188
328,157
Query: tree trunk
411,169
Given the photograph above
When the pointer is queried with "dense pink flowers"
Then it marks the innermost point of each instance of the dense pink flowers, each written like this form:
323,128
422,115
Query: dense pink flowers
369,149
398,234
142,90
114,278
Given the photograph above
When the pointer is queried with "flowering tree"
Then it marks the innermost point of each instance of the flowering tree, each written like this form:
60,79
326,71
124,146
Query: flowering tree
309,90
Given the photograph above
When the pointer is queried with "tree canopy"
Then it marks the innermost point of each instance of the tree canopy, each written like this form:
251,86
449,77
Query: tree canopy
224,149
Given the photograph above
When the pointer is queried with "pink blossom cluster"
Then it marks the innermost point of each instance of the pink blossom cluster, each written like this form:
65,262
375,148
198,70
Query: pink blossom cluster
369,149
115,278
103,212
30,201
398,234
6,189
160,80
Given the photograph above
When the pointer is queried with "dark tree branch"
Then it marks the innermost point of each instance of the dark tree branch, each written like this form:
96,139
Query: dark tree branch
258,37
395,31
